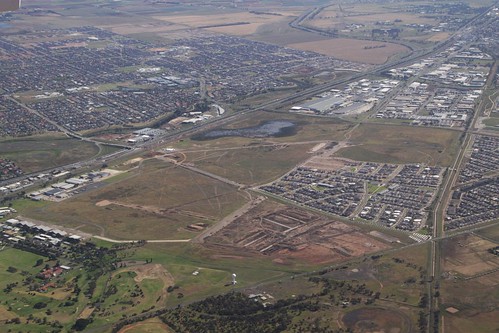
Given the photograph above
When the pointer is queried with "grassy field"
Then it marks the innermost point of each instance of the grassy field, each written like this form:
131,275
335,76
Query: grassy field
132,290
155,201
18,303
402,144
408,264
491,232
251,166
43,152
215,266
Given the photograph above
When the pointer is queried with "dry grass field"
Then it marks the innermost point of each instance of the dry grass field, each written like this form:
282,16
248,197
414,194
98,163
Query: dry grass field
155,200
469,284
353,49
468,256
371,320
252,165
5,315
478,322
401,144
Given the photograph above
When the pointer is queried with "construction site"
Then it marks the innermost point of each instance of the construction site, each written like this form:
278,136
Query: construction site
285,232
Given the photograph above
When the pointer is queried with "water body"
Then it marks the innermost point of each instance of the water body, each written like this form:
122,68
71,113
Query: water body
272,128
4,25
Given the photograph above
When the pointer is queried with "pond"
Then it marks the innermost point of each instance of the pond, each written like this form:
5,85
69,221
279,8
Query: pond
273,128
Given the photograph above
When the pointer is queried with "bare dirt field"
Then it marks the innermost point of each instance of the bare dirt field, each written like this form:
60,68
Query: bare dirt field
153,325
150,271
325,163
5,315
285,233
353,49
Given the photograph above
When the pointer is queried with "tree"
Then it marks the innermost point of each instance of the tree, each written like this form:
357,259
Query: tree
81,324
11,269
40,305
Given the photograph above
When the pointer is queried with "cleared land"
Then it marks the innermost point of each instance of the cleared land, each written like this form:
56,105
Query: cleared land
155,200
353,49
401,144
286,233
148,326
396,306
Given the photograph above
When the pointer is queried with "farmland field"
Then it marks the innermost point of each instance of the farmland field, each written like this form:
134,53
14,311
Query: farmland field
354,50
236,23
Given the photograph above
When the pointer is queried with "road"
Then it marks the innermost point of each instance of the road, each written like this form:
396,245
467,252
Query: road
443,197
107,239
227,220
